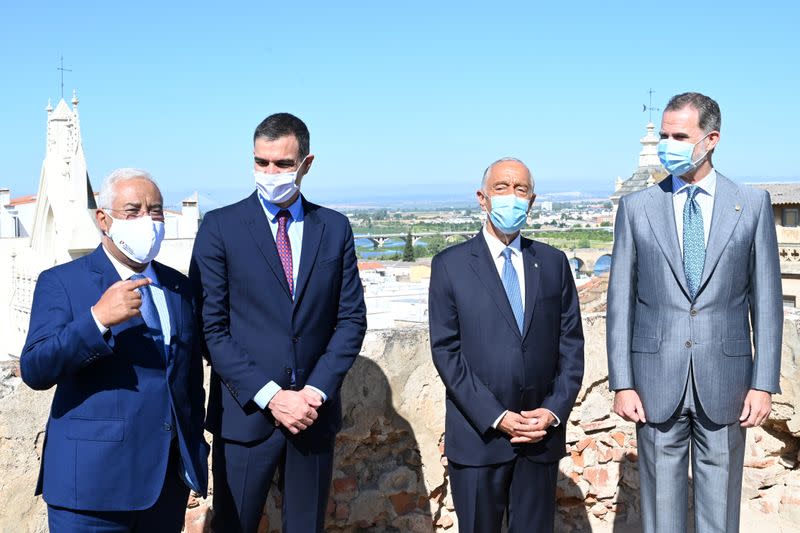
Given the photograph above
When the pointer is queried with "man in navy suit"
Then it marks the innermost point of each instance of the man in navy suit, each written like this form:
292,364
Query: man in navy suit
114,332
284,317
507,340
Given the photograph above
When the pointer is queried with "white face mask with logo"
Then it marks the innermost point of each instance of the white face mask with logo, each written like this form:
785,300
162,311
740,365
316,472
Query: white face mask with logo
278,188
139,238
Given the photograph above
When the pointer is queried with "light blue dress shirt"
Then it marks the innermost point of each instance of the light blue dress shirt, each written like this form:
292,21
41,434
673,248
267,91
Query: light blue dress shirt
294,228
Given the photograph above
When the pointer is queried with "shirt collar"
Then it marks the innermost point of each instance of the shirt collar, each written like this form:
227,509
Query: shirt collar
496,246
125,272
707,185
296,209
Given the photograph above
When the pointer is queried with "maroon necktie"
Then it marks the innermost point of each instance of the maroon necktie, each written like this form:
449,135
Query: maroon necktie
285,248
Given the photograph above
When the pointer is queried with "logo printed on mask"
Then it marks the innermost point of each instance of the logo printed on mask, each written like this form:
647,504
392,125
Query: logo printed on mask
139,239
509,213
676,156
277,188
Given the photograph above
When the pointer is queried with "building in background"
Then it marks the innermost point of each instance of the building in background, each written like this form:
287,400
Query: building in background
648,173
58,225
786,210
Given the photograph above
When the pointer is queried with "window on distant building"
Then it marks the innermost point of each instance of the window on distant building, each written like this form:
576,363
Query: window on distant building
789,300
790,217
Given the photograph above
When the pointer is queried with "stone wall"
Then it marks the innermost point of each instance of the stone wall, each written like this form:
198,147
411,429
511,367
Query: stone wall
390,474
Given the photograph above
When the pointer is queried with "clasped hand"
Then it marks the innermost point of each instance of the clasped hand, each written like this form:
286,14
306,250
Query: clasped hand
295,410
526,427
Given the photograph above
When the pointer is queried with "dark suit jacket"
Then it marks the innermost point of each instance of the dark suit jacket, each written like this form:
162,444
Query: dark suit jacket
484,362
108,436
256,333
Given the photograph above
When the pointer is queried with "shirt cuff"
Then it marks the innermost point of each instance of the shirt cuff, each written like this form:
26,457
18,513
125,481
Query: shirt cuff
499,418
557,422
101,327
265,395
324,397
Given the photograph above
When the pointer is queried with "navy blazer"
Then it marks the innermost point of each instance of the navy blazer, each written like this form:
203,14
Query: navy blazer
256,333
109,433
487,366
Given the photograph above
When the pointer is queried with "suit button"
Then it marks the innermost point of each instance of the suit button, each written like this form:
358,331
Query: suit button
295,339
688,344
288,371
167,427
693,312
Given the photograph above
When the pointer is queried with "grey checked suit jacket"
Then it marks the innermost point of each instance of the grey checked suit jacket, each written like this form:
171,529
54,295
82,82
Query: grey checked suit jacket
654,328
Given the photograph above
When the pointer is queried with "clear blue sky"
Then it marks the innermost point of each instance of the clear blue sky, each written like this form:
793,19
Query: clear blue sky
399,96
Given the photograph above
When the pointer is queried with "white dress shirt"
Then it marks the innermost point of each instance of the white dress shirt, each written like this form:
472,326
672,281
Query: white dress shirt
496,247
704,199
294,229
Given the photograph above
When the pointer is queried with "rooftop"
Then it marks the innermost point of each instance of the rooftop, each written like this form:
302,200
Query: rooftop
781,193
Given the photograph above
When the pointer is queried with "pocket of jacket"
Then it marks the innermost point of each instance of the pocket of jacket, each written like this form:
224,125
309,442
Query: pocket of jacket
645,344
96,429
736,347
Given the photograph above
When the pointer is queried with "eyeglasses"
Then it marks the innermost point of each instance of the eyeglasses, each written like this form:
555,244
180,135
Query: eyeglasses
156,213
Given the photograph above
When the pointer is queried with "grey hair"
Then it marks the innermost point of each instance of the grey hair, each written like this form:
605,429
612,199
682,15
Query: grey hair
709,117
108,190
505,160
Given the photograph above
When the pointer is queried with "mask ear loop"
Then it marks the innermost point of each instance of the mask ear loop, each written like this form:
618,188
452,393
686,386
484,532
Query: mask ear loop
700,159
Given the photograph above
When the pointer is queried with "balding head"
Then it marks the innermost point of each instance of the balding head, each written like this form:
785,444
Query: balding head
505,165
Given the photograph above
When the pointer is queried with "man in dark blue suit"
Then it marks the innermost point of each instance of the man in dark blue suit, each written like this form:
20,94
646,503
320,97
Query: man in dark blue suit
115,333
507,340
284,317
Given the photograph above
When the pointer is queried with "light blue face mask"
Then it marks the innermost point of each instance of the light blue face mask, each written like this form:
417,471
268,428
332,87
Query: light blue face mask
509,213
676,156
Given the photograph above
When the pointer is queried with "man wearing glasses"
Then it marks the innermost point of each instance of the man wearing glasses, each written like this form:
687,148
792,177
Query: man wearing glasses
114,333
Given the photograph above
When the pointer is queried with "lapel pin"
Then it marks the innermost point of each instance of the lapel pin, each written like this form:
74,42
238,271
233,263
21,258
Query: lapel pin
738,207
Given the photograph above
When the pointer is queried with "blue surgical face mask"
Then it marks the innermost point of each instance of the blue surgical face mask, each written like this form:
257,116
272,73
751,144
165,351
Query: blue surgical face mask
676,156
509,213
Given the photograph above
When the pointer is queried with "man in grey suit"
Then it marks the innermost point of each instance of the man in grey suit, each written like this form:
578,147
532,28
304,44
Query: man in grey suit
695,263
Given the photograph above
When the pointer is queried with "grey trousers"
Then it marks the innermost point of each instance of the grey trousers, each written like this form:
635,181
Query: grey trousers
717,454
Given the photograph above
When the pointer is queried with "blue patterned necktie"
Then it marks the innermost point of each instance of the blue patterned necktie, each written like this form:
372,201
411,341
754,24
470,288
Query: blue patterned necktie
511,284
150,313
694,245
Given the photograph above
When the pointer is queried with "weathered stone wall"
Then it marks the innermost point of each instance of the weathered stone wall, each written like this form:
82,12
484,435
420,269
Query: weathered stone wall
390,474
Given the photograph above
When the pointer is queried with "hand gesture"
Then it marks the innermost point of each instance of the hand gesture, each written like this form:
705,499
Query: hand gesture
524,429
120,302
292,410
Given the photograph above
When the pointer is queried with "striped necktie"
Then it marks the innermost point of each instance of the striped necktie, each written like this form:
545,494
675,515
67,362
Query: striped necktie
511,284
150,314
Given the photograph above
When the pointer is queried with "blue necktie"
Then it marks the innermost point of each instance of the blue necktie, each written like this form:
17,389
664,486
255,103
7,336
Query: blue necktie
694,244
511,284
150,314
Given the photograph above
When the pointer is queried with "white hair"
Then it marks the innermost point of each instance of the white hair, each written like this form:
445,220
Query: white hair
505,160
108,191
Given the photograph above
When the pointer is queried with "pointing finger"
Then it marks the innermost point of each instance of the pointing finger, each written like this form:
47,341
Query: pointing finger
136,283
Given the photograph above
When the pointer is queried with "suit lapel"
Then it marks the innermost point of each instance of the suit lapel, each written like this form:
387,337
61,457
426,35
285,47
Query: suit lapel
483,265
532,276
257,224
724,218
313,228
661,214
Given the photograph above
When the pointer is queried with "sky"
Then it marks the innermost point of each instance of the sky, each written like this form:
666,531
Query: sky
411,98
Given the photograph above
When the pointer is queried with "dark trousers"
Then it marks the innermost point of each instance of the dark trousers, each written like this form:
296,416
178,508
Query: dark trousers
243,473
165,516
522,488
